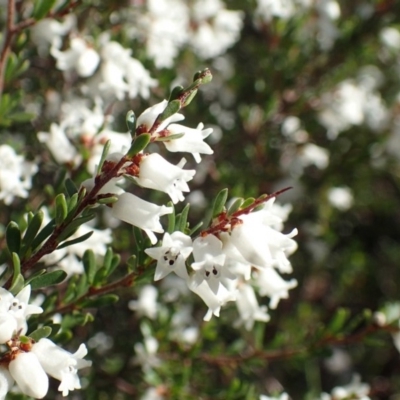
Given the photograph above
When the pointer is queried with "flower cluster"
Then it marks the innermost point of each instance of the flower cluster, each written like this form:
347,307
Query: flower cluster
27,363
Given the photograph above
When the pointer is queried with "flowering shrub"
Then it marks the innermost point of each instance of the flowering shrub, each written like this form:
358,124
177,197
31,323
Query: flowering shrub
119,239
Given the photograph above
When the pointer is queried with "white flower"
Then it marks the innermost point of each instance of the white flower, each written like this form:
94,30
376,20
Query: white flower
341,198
123,74
209,262
20,308
80,57
282,396
171,256
8,326
146,304
214,301
390,37
148,116
191,142
6,382
140,213
59,145
61,364
157,173
271,284
355,389
15,174
29,375
248,307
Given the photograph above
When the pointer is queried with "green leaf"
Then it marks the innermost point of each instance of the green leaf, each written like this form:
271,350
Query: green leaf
248,202
175,93
77,318
189,98
89,264
17,284
114,263
81,286
108,200
235,206
75,241
131,122
219,202
102,301
139,144
181,223
44,233
172,108
70,187
51,278
132,263
42,8
31,231
171,218
100,277
339,319
13,237
195,228
61,208
104,154
43,332
72,202
74,225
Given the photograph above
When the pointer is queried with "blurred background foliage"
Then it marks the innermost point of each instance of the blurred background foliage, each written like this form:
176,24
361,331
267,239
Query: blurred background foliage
347,263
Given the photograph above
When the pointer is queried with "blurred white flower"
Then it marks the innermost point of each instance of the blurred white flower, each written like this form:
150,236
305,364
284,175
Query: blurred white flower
15,174
146,304
341,198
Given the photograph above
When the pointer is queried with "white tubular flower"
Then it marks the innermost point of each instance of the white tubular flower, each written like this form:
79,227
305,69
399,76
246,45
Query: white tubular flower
15,174
8,326
157,173
29,375
6,382
6,299
21,310
140,213
148,116
248,307
214,301
61,364
191,142
59,145
272,285
146,304
79,56
209,262
171,256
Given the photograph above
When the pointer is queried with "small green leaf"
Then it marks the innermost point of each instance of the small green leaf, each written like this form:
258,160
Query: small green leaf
61,208
89,264
31,231
114,263
77,318
104,154
17,283
195,228
189,98
235,206
131,122
132,263
72,202
51,278
100,277
339,319
81,286
171,218
43,332
181,223
248,202
139,144
74,225
70,187
108,200
44,234
75,241
42,8
219,202
175,93
13,237
172,108
105,300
